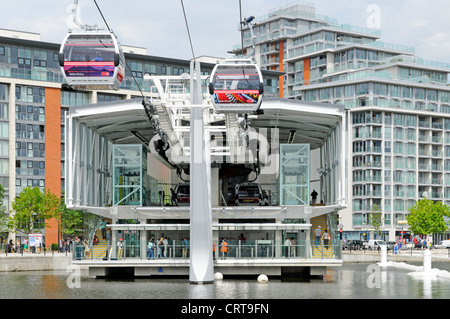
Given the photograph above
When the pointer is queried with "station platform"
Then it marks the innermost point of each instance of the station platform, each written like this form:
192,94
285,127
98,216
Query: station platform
229,267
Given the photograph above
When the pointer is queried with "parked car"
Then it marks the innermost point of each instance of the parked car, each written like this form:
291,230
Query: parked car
375,244
442,244
365,244
420,244
391,245
353,245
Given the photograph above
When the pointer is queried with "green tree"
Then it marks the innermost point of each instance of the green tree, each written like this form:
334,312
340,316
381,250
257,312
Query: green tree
376,219
2,197
32,210
3,216
427,217
71,220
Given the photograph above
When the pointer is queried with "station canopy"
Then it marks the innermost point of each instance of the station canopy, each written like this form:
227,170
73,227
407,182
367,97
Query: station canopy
125,122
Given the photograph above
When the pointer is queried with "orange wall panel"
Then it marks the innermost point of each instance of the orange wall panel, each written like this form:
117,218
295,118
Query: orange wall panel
306,71
52,155
281,69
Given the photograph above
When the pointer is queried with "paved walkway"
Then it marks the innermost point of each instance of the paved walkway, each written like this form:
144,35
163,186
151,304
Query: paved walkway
404,255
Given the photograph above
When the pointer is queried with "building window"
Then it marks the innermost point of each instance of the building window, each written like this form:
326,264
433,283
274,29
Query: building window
349,90
419,94
432,95
380,89
362,89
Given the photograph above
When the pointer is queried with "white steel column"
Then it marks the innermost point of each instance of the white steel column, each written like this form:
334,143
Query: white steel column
201,259
12,152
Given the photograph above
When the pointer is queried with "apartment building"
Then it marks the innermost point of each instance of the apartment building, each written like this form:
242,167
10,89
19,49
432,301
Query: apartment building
398,106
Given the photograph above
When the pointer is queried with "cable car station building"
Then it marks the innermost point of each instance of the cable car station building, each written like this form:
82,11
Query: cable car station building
130,164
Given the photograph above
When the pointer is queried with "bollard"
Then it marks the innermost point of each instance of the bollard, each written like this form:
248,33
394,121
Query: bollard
427,261
383,253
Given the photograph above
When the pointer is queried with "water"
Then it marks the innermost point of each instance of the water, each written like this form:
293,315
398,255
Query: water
348,282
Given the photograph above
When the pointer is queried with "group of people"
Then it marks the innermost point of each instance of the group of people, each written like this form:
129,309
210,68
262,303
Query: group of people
25,247
290,247
80,247
160,248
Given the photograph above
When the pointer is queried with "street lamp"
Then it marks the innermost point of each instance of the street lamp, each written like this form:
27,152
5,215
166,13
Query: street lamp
402,222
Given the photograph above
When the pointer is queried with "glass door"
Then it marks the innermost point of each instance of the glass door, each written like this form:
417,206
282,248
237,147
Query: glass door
132,244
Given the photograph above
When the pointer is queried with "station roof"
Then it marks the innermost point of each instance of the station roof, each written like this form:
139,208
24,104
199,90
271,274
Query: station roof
125,122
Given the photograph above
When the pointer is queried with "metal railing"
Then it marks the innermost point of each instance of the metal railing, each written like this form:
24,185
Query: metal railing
233,249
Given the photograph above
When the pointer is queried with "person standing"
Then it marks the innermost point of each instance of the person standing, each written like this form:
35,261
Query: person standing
77,246
184,248
87,249
314,197
293,247
150,249
287,247
120,249
165,243
159,246
68,242
174,199
224,248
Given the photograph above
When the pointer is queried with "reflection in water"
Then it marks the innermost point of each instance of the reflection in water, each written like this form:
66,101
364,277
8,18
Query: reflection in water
346,282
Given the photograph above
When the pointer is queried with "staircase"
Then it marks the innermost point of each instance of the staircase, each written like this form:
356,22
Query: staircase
99,250
316,251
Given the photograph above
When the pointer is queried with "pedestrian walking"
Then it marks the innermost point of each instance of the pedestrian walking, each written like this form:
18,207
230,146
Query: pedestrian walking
318,233
103,228
326,238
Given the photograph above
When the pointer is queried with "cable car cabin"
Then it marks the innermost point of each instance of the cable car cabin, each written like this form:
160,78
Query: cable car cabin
236,86
248,194
183,194
92,61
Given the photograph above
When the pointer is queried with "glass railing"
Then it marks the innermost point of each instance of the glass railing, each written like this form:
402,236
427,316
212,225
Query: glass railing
249,249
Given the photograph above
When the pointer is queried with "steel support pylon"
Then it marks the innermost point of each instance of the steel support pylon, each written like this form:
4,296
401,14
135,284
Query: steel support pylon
201,268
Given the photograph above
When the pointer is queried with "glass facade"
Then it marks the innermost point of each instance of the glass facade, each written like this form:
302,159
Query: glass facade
4,139
30,137
294,174
30,63
130,179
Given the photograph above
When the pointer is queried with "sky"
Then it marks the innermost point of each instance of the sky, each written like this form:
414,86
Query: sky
159,26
